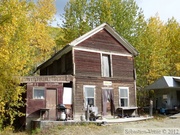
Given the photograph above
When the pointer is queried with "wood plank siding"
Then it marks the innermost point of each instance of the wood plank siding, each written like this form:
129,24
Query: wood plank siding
34,105
123,66
87,63
98,83
92,70
87,58
105,42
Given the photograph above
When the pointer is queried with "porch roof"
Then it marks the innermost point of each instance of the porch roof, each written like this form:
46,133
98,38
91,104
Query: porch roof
165,82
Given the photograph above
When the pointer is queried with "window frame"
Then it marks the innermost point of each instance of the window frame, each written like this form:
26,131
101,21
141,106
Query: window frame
85,98
110,65
38,88
127,88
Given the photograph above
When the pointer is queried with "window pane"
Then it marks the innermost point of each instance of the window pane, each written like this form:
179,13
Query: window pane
89,92
38,93
123,96
123,92
89,95
106,66
124,102
90,101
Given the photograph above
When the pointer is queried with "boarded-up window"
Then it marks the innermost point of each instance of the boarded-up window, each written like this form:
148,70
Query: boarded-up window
106,66
124,96
89,95
38,93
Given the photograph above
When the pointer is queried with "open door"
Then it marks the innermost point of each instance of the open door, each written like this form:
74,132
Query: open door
107,101
51,102
67,101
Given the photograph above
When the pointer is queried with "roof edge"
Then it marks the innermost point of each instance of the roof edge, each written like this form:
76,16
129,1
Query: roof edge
66,49
75,42
112,31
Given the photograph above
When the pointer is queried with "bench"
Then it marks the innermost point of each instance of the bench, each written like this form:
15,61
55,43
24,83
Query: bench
126,111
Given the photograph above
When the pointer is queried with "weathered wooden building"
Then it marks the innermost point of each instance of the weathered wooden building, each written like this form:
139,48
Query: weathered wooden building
96,69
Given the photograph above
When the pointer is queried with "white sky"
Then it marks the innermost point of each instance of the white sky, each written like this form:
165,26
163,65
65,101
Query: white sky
165,8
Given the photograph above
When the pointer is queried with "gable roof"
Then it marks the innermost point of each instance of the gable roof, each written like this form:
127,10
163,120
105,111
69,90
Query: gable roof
106,26
82,38
165,82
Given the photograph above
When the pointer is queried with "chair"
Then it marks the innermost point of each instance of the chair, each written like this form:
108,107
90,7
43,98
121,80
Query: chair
94,114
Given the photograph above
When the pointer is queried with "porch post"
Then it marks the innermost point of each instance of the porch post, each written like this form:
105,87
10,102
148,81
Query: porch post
151,108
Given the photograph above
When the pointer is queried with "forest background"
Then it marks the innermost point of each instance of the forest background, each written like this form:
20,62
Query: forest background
27,40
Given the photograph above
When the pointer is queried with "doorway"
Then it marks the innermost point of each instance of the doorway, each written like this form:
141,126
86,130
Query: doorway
107,101
178,97
51,102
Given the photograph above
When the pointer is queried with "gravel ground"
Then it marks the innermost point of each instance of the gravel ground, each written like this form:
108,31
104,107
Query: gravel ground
156,126
160,125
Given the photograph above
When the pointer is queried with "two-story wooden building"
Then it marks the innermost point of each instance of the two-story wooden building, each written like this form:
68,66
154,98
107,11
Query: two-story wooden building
96,69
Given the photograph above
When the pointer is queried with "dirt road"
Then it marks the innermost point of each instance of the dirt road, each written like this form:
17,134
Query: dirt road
156,126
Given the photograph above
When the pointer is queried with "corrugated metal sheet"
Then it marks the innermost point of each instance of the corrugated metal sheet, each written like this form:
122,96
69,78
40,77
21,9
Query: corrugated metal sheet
177,79
165,82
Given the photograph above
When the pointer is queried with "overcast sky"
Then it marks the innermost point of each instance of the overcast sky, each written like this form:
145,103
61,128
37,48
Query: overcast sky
165,8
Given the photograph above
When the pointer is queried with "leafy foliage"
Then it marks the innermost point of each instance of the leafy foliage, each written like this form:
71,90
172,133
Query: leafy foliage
83,15
156,41
173,50
152,61
24,42
159,53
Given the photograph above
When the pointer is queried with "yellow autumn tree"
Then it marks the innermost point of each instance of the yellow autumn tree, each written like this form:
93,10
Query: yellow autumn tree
157,39
152,63
173,52
24,41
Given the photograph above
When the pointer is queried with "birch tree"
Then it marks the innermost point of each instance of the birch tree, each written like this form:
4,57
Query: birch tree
152,63
173,52
24,41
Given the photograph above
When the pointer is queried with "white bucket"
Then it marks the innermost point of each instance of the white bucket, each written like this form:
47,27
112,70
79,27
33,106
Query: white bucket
82,117
62,116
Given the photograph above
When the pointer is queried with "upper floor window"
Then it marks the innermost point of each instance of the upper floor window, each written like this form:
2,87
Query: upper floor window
106,66
124,96
89,95
38,93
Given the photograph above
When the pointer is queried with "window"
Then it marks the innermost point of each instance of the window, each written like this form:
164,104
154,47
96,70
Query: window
106,66
89,95
124,96
38,93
